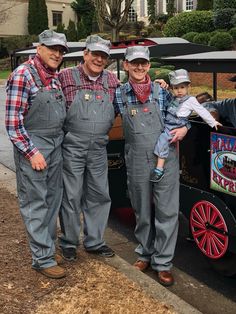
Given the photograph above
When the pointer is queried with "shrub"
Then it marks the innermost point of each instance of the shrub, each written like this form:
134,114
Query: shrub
71,32
159,73
155,64
167,67
17,42
162,18
194,21
202,38
37,16
204,5
222,4
222,41
232,32
223,18
60,28
104,35
218,31
130,37
233,20
189,36
5,64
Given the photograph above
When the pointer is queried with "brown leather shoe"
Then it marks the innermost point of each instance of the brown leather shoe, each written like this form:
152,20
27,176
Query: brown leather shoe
55,272
165,278
59,259
141,265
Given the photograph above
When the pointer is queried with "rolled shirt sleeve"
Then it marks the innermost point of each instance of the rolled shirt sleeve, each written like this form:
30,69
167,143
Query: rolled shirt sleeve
20,91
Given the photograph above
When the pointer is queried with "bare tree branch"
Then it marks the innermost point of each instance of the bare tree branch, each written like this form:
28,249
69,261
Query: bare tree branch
4,11
113,13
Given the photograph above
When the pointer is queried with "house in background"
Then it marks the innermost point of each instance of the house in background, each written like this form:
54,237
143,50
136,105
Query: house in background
180,5
14,13
14,16
139,8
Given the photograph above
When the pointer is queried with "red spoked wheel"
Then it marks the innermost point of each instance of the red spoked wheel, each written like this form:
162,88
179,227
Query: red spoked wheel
209,229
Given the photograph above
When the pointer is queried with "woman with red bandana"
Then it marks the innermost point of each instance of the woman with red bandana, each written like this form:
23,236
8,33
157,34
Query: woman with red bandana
35,113
142,106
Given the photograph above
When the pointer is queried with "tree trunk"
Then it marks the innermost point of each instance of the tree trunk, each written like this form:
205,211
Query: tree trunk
114,34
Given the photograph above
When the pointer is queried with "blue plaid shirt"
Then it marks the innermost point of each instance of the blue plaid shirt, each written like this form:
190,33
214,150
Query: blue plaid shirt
165,97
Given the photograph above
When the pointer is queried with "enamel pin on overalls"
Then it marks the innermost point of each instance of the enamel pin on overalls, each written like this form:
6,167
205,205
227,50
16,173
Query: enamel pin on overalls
86,96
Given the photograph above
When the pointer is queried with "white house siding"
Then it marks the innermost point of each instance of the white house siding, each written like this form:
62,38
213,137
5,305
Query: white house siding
61,6
14,20
13,17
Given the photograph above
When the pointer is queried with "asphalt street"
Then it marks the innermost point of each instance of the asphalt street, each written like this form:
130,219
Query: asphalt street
196,282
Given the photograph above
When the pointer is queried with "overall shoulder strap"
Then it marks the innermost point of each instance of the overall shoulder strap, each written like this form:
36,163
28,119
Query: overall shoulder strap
76,76
105,79
35,75
124,95
155,88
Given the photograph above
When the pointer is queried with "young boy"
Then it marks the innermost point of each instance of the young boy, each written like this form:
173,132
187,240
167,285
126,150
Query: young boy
177,115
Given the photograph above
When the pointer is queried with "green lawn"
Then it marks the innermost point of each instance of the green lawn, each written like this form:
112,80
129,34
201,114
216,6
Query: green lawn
4,74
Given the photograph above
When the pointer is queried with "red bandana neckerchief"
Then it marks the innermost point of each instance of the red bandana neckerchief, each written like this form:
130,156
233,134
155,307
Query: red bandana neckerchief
45,73
142,90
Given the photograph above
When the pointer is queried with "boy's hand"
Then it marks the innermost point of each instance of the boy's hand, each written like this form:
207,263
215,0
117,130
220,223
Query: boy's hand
162,83
217,124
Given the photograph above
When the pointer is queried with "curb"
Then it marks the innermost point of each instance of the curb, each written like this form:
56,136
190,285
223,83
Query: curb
149,285
152,287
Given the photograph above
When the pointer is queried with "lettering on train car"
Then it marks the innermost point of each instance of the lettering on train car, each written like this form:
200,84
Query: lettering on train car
223,163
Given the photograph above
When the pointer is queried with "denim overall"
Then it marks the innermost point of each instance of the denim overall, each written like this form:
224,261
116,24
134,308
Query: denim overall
40,192
85,166
156,226
172,121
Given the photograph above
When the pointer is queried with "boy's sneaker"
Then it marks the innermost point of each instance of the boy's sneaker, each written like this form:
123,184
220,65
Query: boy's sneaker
69,254
104,251
156,175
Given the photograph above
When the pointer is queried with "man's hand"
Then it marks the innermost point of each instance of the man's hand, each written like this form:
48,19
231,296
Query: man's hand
178,134
162,83
215,115
38,162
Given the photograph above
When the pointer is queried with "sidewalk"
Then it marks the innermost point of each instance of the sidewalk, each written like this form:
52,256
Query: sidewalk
93,285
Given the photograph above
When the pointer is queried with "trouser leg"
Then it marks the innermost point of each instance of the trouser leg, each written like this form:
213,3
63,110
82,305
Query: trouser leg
162,146
138,174
54,195
97,203
32,192
166,200
73,173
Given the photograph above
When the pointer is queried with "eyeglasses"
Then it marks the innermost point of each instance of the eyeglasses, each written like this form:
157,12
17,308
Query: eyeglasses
99,54
137,63
59,49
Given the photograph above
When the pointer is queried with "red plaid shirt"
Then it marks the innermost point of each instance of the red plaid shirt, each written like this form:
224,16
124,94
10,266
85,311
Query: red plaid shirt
69,87
21,90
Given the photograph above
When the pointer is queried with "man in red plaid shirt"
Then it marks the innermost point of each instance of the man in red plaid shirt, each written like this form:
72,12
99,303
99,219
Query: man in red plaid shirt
89,92
35,113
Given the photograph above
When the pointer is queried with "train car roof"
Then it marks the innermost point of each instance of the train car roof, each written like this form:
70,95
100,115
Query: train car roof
214,61
159,47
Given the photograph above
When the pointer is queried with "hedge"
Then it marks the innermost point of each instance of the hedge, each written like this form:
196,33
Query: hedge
194,21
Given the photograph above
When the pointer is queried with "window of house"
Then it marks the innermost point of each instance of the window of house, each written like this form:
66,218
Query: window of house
132,17
56,18
189,5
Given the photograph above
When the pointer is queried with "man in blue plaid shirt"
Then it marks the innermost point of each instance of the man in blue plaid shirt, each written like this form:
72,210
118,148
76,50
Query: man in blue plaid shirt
142,106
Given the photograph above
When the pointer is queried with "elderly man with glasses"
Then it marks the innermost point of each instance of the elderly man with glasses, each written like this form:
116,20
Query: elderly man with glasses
89,90
35,113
